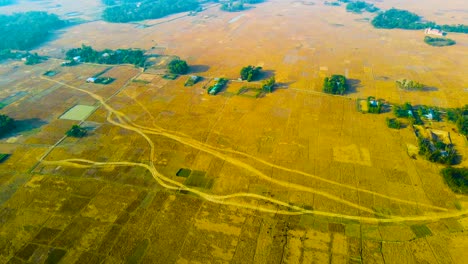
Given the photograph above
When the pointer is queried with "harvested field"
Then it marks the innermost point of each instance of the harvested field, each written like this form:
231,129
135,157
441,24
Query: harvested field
170,174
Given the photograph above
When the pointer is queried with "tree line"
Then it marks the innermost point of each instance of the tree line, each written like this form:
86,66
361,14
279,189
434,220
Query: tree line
23,31
122,11
403,19
107,56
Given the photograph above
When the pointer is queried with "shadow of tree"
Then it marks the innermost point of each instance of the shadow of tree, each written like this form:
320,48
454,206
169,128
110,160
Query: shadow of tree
353,84
198,68
25,125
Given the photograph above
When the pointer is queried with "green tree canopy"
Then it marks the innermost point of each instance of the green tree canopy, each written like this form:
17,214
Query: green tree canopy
22,31
76,131
178,66
6,124
336,84
249,73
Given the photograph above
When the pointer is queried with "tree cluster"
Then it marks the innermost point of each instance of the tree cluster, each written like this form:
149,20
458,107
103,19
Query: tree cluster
398,18
269,84
6,124
361,6
409,85
336,84
374,106
439,42
249,73
77,131
178,66
460,117
393,123
456,179
217,87
107,56
22,31
407,111
437,151
130,10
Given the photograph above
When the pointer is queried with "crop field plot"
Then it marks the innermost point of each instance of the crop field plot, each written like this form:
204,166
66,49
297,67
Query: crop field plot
78,112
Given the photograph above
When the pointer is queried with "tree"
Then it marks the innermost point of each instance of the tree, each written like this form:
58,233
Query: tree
336,84
409,85
268,84
250,72
77,131
6,124
178,66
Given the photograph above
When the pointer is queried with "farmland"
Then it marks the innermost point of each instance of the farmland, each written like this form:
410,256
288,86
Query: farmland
170,174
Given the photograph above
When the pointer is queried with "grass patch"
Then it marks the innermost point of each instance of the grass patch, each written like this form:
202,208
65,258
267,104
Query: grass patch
421,231
170,76
199,179
141,81
50,73
251,92
183,172
439,42
393,123
456,179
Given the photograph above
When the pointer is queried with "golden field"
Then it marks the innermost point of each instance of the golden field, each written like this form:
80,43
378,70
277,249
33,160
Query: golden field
295,176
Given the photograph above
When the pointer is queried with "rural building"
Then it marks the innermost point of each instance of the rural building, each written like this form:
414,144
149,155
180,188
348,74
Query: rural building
434,31
91,80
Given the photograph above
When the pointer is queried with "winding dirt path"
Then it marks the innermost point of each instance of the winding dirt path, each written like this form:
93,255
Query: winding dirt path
123,121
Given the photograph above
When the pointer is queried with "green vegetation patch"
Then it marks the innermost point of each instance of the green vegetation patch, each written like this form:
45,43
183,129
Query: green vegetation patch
435,150
361,6
456,179
22,31
107,56
421,230
183,172
170,76
178,66
50,73
76,131
409,85
3,157
78,112
192,80
6,124
217,87
336,84
398,18
459,116
199,179
250,72
12,98
393,123
55,255
121,11
252,92
439,42
407,111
